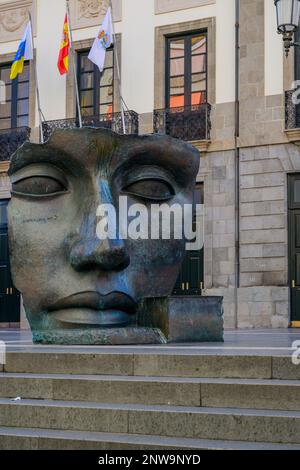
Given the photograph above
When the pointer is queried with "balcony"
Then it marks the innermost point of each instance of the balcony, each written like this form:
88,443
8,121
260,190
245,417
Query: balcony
10,141
109,121
190,123
292,117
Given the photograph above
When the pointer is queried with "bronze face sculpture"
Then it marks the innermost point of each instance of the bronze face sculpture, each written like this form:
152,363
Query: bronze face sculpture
77,288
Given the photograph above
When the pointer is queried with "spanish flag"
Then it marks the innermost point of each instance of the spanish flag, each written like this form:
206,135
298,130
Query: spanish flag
63,58
24,52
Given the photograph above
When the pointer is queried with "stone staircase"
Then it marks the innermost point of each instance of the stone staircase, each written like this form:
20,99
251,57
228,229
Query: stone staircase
163,400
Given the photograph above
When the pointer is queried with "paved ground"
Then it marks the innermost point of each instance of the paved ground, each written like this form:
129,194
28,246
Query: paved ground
240,342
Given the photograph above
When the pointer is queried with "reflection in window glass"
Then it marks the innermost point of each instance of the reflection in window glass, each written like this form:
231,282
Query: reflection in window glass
198,63
186,71
177,48
199,44
177,67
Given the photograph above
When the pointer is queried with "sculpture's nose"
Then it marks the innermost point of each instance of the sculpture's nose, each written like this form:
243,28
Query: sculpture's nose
105,255
87,251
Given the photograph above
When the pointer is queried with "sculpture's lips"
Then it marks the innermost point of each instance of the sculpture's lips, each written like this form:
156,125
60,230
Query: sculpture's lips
95,301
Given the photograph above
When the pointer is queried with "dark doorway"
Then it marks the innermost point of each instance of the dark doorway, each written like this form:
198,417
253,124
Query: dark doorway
9,296
191,277
294,246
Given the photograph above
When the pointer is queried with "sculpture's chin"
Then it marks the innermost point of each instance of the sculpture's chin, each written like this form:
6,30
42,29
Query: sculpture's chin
84,318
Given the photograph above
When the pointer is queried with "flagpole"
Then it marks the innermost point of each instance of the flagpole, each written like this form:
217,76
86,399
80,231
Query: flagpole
118,70
41,115
74,66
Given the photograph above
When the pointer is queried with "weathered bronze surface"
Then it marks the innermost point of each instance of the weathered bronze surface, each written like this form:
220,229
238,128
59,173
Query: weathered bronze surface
76,288
185,319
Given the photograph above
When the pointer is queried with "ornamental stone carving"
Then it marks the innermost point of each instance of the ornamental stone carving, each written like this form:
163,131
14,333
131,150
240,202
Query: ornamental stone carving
13,17
86,13
164,6
91,8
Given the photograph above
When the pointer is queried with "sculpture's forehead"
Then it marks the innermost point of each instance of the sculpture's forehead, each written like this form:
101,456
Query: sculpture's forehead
94,150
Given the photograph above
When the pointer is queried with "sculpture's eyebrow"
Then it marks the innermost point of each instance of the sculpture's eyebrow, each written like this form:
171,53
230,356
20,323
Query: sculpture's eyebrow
33,153
181,160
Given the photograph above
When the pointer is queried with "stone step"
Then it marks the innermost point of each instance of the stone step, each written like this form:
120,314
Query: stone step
226,393
45,439
234,424
172,364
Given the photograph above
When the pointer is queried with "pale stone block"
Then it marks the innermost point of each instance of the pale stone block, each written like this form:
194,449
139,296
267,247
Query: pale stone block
263,114
227,240
243,310
246,155
268,179
263,222
223,213
251,279
219,172
220,281
261,166
230,226
226,267
263,194
251,251
276,278
279,321
262,309
228,185
278,114
263,236
280,294
219,227
247,181
282,308
245,295
274,250
262,208
262,153
262,294
274,101
262,264
294,157
219,254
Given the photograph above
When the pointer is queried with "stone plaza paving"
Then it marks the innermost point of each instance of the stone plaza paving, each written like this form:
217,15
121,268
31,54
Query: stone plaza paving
241,342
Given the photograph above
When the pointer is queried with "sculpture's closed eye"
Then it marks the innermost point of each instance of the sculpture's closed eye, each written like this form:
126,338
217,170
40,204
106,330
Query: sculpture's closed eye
38,186
152,189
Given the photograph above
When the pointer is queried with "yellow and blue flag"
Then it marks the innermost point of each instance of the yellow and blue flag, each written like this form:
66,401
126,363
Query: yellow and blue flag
24,52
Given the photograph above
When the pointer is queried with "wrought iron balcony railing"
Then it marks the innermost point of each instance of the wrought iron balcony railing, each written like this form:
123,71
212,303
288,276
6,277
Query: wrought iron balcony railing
186,123
109,121
292,111
11,140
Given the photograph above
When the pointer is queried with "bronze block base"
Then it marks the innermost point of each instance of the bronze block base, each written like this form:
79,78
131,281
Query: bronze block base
185,319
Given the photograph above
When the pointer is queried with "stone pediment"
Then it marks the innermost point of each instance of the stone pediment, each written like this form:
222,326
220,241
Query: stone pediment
86,13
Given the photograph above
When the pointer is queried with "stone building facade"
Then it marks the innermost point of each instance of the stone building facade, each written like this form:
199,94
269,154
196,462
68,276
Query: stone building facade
247,157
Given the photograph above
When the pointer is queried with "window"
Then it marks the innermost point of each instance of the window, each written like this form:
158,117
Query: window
15,112
186,70
96,90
